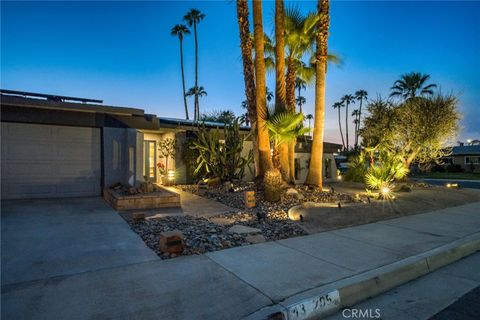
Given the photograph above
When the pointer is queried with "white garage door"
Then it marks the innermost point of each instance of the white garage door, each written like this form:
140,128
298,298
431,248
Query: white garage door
43,161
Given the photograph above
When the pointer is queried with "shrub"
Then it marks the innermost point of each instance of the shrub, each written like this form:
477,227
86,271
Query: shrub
454,168
220,159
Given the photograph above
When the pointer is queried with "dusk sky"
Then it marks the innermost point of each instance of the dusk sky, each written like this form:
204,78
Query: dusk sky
123,53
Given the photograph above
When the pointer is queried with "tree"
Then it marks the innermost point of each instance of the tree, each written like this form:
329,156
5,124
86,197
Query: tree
360,95
179,31
315,172
411,85
280,90
193,17
248,74
268,94
166,149
356,122
346,100
417,129
223,116
265,159
283,127
196,92
339,106
299,85
309,117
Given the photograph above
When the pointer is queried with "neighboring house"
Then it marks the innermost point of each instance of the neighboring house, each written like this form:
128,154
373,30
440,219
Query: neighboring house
57,146
467,156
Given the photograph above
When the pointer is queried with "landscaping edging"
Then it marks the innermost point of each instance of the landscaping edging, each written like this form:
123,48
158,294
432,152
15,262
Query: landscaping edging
330,298
162,199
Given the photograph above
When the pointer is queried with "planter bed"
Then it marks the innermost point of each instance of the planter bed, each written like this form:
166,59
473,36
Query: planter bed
153,200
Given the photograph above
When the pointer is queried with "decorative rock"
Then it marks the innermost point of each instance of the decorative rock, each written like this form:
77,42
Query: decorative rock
138,216
227,186
213,182
404,188
241,229
172,242
291,191
294,213
255,238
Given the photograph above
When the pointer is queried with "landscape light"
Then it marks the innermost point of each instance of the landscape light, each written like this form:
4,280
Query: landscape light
385,190
449,185
171,174
339,178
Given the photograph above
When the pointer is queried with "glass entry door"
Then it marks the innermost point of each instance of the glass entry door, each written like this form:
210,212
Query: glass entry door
150,156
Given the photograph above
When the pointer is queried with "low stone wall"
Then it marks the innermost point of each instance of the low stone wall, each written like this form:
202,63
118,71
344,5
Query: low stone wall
154,200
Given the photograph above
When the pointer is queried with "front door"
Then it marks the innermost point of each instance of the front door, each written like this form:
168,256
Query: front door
150,156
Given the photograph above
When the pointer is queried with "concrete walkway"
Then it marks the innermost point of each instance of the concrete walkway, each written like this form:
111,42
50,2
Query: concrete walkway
228,284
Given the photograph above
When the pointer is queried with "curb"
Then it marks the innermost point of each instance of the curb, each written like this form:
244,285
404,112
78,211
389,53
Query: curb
327,299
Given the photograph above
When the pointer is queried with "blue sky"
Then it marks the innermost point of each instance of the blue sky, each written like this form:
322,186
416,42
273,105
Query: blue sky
123,53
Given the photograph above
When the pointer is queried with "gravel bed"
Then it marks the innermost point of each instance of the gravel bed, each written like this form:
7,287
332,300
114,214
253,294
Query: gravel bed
205,235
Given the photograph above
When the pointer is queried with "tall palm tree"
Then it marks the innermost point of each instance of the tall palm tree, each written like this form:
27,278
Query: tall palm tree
360,95
265,158
411,85
315,172
193,17
309,117
339,106
299,85
346,100
356,122
280,91
179,31
299,39
300,100
196,92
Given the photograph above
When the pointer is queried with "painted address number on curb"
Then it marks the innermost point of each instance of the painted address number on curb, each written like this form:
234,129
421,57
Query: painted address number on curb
314,306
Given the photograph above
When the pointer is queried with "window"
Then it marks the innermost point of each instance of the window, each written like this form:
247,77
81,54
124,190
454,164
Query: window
150,154
472,160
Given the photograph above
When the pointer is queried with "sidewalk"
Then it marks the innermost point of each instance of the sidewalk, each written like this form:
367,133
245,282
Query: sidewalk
252,281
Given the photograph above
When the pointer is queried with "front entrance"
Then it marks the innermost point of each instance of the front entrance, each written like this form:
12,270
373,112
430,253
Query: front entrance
150,156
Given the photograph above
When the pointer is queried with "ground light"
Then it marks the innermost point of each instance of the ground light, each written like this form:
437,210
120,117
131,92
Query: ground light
171,175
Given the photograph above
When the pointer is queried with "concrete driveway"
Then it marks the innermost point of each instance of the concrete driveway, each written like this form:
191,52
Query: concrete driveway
47,238
78,259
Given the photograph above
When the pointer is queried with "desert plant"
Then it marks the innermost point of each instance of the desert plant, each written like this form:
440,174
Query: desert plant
221,159
389,168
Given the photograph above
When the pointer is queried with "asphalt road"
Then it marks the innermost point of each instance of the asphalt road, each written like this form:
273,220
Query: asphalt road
474,184
465,308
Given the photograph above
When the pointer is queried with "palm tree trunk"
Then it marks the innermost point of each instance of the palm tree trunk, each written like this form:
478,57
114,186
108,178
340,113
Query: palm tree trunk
197,107
290,90
265,158
248,74
280,90
315,172
359,119
340,127
290,83
346,123
183,79
299,101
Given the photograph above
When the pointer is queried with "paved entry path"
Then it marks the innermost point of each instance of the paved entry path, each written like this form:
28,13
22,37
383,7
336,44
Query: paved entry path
45,244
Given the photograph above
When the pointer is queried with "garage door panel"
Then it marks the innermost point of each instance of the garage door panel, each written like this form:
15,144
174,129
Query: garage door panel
40,161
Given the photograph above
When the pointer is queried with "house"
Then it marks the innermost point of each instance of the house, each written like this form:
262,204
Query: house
466,156
59,146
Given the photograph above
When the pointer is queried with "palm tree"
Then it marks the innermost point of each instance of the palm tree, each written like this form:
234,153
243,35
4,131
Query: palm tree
347,99
356,122
268,94
196,92
315,172
265,158
309,117
360,95
280,90
339,106
411,85
283,127
299,85
246,44
179,31
299,39
193,17
300,102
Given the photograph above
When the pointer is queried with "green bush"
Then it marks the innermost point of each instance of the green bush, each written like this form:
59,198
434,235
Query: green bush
220,159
